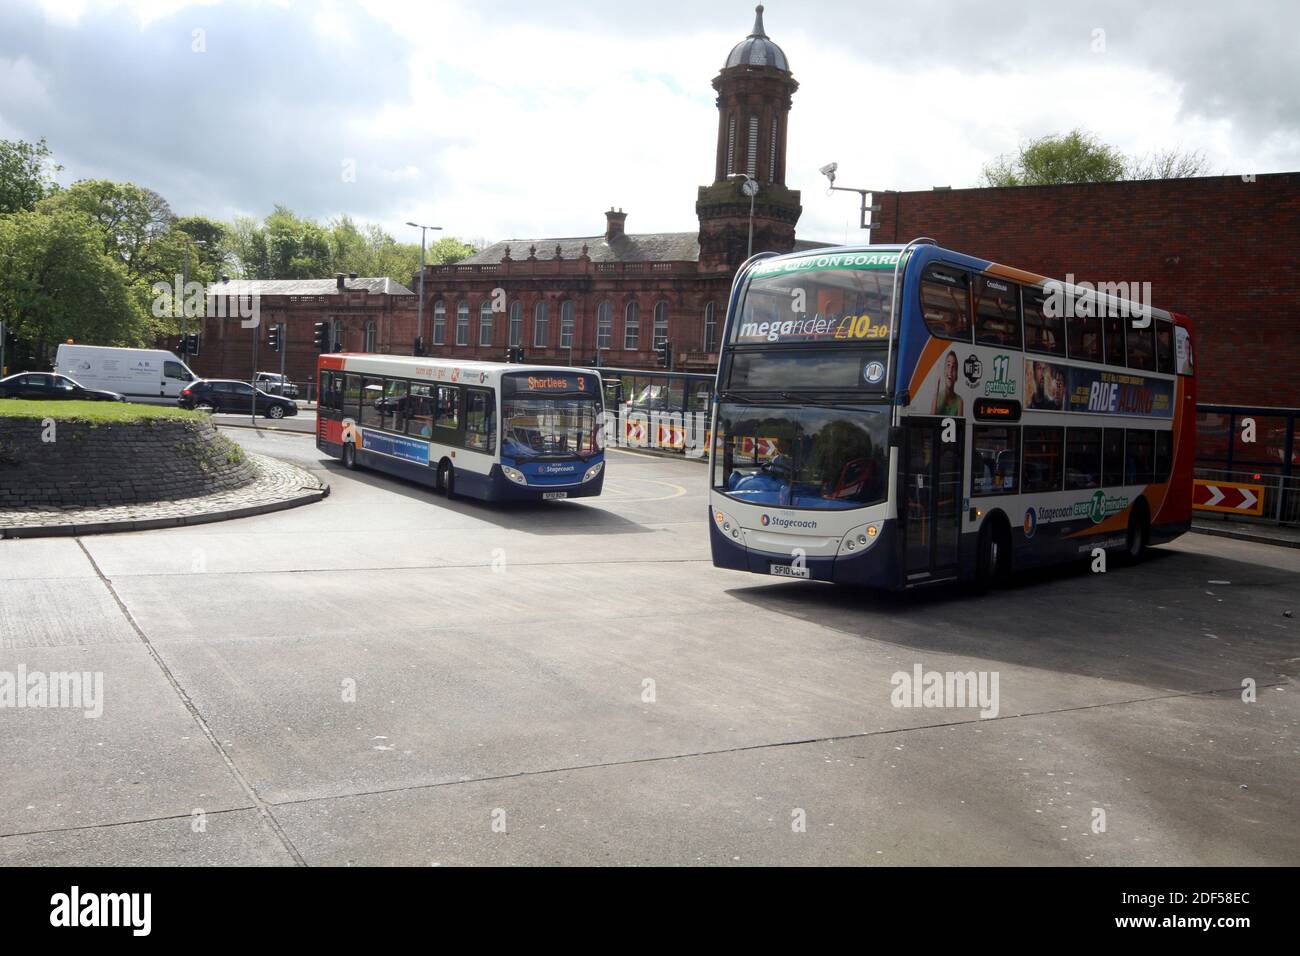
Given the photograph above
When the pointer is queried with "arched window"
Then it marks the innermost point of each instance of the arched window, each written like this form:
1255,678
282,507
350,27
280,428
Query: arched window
604,325
771,169
566,324
731,146
751,159
541,325
661,323
372,343
439,322
485,323
632,327
516,323
462,324
710,328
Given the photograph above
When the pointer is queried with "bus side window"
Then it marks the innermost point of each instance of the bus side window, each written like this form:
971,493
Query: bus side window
1164,456
1112,457
1139,455
447,407
1082,458
994,468
352,396
945,302
1164,347
1042,459
480,429
1141,345
1114,328
372,393
997,313
419,420
1084,333
1043,333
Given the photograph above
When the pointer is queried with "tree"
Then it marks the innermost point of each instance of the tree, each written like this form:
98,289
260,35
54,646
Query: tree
57,282
1079,157
26,174
131,220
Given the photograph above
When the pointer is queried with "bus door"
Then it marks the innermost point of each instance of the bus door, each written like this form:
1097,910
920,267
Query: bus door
930,498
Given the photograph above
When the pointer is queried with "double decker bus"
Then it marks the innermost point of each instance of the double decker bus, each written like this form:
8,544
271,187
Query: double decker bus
895,416
483,429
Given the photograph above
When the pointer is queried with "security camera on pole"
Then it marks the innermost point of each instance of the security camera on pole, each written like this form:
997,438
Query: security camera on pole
829,172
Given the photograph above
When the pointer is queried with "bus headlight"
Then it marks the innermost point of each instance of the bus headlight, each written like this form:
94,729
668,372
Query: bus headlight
514,474
593,471
860,538
726,524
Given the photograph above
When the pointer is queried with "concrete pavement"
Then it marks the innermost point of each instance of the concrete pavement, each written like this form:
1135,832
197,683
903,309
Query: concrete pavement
387,677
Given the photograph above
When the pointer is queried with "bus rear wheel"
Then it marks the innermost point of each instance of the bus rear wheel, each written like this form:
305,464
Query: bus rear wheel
349,456
1139,534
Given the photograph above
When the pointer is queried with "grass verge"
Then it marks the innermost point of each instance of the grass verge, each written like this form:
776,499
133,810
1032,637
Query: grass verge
98,413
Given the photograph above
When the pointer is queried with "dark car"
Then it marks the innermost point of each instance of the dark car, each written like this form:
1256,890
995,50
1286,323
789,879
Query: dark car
227,395
52,386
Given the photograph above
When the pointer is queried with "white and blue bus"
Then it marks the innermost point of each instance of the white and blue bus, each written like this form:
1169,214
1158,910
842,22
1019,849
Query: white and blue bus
900,416
482,429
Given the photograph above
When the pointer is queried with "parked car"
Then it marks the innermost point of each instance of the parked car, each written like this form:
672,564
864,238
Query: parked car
274,383
52,386
227,395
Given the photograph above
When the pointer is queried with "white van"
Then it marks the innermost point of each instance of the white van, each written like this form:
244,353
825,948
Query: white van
151,376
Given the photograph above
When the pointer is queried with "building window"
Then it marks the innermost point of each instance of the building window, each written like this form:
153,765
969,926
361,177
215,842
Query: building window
439,322
336,335
566,324
661,323
751,160
710,328
731,146
541,325
604,325
632,327
771,169
516,324
485,323
372,344
462,324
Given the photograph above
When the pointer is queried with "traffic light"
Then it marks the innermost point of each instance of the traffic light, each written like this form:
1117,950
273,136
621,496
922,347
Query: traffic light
322,337
515,355
192,343
273,338
665,350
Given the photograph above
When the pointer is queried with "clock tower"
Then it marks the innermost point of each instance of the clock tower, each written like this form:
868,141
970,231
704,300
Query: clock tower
754,92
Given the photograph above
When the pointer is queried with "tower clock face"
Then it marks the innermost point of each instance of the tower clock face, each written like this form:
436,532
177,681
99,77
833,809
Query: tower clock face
750,188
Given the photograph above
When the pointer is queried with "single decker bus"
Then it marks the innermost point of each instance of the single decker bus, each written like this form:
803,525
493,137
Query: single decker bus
486,430
897,416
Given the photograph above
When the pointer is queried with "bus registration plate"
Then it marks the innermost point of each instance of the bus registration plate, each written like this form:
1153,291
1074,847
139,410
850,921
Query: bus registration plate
552,495
788,571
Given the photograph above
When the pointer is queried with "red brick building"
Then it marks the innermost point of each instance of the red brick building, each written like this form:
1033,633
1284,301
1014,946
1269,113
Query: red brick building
613,297
1225,250
364,315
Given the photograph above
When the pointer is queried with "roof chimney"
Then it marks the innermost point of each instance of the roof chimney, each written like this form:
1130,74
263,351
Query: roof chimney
614,224
340,281
352,277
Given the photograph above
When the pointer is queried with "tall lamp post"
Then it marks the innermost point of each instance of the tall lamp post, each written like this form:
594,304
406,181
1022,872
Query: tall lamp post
750,189
419,306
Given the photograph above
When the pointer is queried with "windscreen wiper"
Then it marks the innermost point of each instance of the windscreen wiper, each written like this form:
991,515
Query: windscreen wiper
825,403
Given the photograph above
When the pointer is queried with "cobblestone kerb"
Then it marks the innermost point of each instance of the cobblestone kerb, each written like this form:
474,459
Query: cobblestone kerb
275,485
60,464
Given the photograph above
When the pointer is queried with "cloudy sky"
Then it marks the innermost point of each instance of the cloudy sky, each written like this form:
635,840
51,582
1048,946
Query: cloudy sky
506,119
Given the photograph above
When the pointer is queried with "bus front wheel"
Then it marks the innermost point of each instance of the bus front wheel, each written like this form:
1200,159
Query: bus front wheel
993,555
447,479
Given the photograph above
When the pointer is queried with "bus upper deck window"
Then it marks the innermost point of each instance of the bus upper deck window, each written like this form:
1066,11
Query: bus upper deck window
1164,346
1084,335
945,302
1043,332
1141,343
997,313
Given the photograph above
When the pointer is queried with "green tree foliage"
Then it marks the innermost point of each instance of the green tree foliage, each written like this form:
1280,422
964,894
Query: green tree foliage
1079,157
58,282
26,174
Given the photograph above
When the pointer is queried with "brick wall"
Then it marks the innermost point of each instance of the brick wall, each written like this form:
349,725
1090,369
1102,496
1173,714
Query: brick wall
101,465
1224,251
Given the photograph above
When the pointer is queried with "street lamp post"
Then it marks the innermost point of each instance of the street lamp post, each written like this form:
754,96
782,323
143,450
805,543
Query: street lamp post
750,189
419,306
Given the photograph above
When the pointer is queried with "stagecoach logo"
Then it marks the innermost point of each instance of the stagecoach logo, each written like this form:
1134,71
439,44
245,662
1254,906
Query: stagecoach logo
482,377
778,522
874,372
973,370
1031,522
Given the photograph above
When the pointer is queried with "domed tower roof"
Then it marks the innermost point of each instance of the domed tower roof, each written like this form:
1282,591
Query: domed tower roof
756,49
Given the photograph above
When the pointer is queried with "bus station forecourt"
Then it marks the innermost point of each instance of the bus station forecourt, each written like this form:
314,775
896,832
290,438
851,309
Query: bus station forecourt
398,676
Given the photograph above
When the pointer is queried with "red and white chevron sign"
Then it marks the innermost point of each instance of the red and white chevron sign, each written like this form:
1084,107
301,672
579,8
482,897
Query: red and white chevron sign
1228,496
